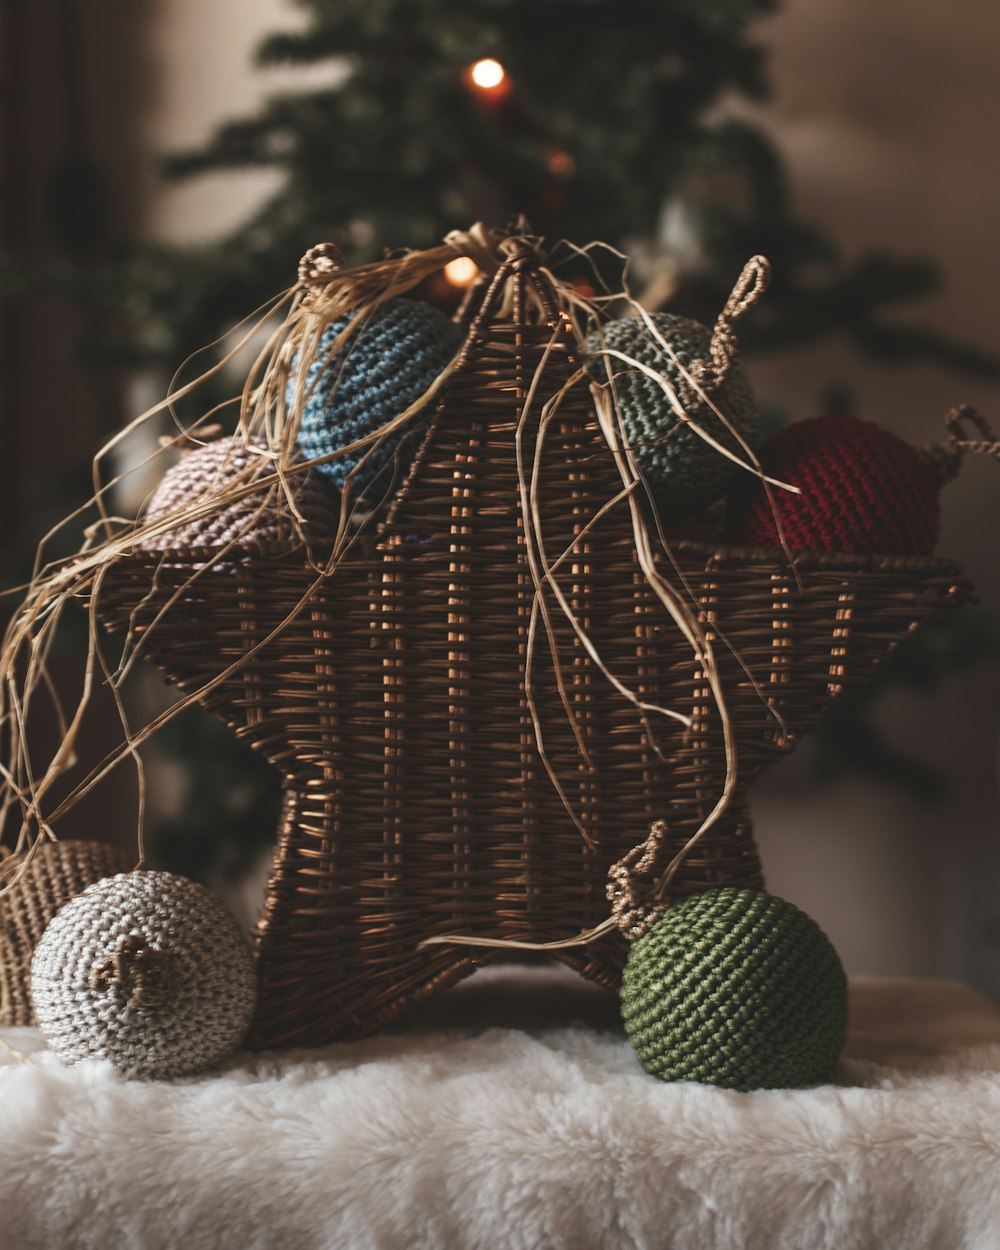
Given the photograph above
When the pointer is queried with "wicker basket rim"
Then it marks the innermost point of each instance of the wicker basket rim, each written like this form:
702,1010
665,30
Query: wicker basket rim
717,554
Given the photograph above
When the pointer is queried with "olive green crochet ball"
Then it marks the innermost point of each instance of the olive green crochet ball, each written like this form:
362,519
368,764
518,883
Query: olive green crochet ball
684,473
736,988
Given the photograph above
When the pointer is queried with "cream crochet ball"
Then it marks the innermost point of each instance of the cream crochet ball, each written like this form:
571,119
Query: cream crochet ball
147,970
259,517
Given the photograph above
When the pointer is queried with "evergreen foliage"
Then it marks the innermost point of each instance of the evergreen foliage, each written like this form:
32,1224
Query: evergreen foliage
613,111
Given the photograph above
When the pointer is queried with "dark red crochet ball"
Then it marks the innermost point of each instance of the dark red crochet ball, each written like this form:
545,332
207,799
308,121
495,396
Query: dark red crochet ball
863,490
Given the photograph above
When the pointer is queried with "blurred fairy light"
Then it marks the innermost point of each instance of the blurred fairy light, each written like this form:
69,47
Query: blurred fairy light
561,164
462,271
487,74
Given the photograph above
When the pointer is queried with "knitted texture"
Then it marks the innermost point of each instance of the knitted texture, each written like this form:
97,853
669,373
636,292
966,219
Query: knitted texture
259,517
55,872
684,472
735,988
384,368
147,970
862,490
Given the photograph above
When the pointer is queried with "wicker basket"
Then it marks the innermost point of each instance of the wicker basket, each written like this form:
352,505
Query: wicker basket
57,872
394,702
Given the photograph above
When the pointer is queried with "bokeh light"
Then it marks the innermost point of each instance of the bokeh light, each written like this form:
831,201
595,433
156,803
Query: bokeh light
487,74
462,271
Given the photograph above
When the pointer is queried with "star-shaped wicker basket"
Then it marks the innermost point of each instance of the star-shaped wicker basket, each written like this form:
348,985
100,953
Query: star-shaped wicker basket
394,702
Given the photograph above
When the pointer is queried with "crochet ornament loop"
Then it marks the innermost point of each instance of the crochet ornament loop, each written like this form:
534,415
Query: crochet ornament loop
146,975
631,877
723,349
986,445
319,264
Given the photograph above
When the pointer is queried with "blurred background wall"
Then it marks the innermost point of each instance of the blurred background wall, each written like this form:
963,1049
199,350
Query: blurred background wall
884,114
881,111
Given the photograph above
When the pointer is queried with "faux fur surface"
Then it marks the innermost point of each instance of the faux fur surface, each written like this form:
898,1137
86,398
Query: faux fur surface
513,1116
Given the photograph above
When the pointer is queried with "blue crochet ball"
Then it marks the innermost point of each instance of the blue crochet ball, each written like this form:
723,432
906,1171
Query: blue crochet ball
384,368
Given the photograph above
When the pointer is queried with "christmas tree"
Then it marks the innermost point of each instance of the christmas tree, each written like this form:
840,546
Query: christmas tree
594,119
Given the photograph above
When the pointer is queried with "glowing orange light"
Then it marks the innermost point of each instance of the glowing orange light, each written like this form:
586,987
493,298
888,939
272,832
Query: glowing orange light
462,271
487,74
561,164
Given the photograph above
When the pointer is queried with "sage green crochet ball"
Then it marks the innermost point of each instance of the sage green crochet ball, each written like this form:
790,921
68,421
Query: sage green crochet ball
736,988
685,474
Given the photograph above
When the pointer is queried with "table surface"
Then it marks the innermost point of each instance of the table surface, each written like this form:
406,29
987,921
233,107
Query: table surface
511,1113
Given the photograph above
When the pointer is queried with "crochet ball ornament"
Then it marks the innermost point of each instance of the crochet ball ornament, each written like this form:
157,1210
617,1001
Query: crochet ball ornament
39,885
684,473
259,517
147,970
735,988
384,367
862,490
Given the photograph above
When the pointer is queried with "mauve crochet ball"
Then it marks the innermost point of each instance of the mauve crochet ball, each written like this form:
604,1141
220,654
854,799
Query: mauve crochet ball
685,474
385,366
735,988
256,518
863,490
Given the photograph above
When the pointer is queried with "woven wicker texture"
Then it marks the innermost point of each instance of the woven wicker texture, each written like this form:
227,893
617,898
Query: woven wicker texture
57,871
257,518
862,489
386,366
736,988
395,706
684,472
145,969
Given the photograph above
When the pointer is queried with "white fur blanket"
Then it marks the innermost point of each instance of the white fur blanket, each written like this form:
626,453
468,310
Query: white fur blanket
513,1116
